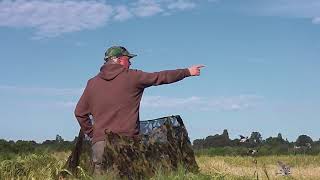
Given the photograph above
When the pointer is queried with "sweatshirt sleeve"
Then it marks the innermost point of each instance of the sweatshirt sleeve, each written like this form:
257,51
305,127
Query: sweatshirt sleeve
82,113
145,79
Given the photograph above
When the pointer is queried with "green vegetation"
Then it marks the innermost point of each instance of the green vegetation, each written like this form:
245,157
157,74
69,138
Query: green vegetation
9,149
222,145
30,166
217,156
34,166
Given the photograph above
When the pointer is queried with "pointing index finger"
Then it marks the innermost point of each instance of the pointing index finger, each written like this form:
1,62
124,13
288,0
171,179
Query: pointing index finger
200,66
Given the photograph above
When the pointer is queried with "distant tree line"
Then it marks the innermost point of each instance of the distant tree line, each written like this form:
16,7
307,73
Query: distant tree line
9,149
221,144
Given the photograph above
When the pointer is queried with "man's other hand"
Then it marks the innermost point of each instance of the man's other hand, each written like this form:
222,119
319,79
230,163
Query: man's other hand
195,70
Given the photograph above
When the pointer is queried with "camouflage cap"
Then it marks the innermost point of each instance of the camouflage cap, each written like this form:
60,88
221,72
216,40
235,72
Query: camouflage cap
117,51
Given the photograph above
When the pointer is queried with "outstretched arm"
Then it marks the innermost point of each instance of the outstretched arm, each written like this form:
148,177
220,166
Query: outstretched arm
145,79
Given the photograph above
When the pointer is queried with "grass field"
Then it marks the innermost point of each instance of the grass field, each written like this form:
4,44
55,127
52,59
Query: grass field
37,166
302,167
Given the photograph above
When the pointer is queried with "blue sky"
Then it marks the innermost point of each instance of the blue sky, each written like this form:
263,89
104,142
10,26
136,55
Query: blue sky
262,63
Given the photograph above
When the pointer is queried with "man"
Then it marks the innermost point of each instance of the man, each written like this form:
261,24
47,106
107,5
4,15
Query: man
113,98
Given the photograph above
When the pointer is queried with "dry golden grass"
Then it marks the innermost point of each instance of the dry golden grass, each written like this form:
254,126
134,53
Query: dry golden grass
302,167
217,167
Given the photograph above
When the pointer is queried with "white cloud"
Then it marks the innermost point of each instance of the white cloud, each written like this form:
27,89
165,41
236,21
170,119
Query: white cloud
193,103
122,13
52,18
144,8
235,103
316,20
309,9
181,5
196,103
42,91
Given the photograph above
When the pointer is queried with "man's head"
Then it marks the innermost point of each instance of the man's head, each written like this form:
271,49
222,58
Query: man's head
118,55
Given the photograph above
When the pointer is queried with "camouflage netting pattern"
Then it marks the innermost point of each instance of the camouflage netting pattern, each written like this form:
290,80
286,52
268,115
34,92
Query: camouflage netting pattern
163,142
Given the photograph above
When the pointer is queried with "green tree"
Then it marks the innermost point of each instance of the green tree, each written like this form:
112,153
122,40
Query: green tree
302,140
255,138
59,139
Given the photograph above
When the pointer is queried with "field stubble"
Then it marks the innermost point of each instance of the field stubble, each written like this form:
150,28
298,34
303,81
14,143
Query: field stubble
215,167
302,166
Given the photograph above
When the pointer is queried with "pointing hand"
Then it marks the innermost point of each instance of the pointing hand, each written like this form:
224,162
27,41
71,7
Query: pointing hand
195,70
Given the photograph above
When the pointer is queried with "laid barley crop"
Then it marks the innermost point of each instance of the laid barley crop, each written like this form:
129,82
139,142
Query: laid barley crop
32,166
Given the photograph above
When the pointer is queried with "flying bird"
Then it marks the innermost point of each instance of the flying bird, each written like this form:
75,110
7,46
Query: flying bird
244,139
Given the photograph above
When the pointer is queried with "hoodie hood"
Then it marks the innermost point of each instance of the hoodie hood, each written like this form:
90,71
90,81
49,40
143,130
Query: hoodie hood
110,71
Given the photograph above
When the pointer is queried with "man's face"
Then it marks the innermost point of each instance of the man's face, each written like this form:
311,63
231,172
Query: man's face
125,61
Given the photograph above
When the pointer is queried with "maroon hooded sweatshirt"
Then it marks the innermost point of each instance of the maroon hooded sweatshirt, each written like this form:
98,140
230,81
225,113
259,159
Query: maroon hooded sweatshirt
113,98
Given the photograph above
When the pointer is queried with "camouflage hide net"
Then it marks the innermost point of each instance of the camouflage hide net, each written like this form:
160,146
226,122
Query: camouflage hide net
162,143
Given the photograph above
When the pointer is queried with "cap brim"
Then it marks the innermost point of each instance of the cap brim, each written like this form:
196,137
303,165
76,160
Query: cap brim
132,55
129,55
